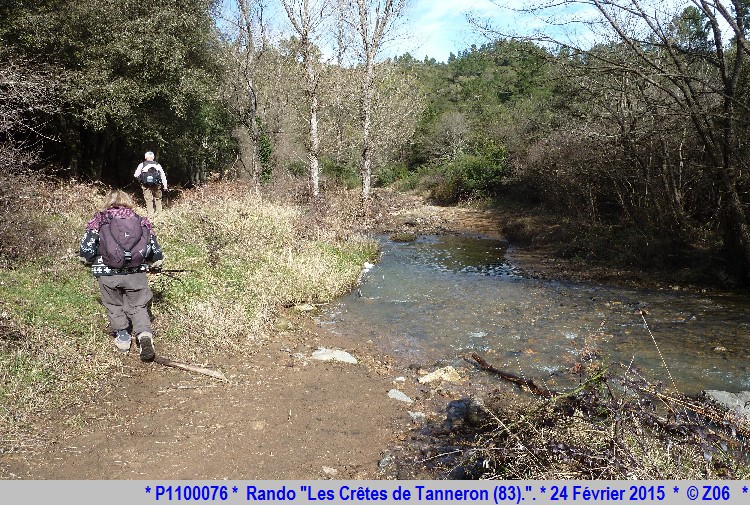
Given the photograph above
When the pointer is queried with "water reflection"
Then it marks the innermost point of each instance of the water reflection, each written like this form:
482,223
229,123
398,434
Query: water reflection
441,298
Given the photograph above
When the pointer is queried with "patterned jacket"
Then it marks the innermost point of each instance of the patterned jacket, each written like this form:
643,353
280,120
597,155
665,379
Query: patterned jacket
89,248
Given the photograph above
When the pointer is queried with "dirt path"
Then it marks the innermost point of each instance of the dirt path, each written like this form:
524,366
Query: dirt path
282,416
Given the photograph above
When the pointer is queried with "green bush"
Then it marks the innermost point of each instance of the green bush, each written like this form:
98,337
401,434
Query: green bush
265,150
468,175
297,168
479,174
392,172
346,174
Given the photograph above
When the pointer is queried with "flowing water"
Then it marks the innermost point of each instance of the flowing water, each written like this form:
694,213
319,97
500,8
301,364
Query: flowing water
440,298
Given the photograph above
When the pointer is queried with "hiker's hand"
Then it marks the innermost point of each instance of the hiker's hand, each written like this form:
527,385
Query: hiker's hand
155,266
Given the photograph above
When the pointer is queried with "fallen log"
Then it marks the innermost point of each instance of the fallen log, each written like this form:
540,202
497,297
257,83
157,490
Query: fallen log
191,368
518,381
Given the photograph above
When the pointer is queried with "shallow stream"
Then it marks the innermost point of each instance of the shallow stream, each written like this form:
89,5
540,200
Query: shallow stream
440,298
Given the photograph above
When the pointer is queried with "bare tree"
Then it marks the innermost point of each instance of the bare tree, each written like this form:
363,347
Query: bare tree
308,17
245,45
342,45
374,22
397,103
30,94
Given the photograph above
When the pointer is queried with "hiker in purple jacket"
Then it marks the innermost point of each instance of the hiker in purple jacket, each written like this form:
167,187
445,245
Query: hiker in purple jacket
121,247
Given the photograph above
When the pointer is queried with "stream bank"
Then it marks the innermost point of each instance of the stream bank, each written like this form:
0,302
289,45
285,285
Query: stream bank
461,438
538,243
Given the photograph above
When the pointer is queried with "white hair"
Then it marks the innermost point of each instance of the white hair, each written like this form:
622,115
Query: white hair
149,156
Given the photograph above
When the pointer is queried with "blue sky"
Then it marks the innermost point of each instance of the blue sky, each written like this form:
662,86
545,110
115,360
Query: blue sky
436,28
439,27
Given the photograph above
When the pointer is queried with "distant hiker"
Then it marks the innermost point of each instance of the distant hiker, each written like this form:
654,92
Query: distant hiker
121,246
153,181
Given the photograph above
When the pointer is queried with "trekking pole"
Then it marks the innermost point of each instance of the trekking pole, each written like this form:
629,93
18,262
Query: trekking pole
169,272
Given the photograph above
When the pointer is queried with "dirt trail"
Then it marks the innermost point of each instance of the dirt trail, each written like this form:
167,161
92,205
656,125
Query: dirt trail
282,416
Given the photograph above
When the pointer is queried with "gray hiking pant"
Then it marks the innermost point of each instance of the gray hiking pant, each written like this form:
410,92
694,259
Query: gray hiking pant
126,298
152,196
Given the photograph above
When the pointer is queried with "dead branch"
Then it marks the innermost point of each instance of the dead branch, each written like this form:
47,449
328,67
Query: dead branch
518,381
191,368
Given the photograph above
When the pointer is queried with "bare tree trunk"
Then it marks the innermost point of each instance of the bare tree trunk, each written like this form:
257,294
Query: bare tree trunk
314,139
307,20
366,112
375,19
338,105
249,119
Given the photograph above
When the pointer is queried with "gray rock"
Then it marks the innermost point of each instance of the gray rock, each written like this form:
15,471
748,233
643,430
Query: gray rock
469,411
447,373
418,417
734,402
330,472
476,414
456,412
400,396
387,467
323,354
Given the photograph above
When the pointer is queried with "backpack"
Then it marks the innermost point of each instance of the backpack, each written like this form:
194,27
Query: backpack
123,241
150,176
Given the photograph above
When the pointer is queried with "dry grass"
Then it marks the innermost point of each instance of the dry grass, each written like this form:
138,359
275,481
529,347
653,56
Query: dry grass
614,426
613,429
247,258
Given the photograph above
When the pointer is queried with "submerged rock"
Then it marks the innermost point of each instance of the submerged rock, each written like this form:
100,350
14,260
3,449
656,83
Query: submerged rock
738,403
324,354
283,324
304,307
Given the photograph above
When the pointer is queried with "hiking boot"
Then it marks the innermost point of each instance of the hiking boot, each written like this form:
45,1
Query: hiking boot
146,345
122,340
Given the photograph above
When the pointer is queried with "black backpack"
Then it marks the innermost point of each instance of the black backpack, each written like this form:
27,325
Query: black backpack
150,176
123,241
